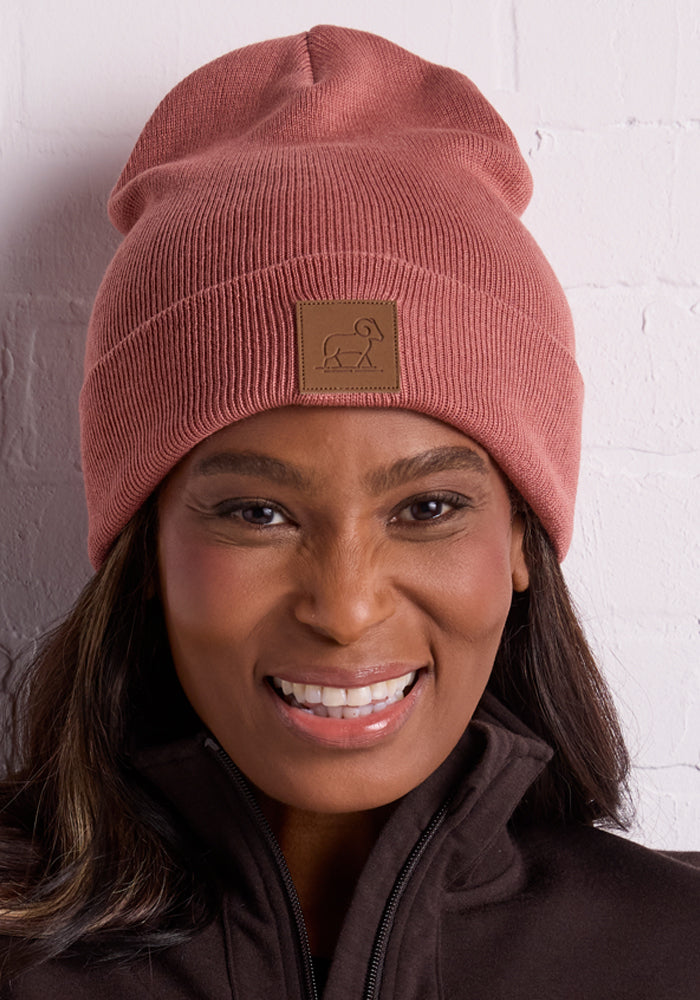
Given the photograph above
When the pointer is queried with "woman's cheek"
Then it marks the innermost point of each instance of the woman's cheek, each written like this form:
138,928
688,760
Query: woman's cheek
206,588
472,590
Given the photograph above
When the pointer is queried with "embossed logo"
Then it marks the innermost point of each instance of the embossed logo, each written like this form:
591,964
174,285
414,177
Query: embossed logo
348,345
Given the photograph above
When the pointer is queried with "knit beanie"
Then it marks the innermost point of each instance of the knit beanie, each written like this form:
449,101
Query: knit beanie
326,220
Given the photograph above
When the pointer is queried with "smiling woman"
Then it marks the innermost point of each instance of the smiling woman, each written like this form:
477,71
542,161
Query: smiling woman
382,578
324,720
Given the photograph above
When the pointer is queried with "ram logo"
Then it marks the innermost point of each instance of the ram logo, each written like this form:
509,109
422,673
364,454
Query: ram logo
351,352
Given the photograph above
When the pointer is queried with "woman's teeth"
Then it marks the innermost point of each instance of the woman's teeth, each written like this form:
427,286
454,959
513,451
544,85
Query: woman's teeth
344,703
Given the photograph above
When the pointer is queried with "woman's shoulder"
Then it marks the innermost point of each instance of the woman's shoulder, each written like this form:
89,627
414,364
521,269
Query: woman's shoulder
594,848
601,868
691,858
642,905
587,913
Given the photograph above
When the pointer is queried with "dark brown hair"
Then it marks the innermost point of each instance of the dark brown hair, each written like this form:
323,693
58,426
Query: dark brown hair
89,854
547,675
86,852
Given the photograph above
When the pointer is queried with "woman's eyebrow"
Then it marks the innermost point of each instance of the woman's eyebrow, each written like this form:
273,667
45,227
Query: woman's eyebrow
246,463
435,460
378,481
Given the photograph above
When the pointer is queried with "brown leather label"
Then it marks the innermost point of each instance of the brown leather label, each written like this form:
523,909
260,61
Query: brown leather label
348,345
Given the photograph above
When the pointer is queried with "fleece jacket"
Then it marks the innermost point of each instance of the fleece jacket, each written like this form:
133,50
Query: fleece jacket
456,901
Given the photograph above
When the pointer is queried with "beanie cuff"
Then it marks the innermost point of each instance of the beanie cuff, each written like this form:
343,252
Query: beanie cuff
229,351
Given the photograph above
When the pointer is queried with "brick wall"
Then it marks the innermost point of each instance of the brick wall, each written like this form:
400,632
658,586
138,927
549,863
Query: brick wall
605,100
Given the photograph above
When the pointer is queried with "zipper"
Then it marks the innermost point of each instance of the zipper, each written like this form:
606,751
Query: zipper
310,990
381,938
376,964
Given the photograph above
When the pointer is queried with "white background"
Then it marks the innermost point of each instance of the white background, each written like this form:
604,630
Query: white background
604,96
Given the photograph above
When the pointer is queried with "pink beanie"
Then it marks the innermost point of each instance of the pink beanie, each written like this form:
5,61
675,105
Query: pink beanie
326,220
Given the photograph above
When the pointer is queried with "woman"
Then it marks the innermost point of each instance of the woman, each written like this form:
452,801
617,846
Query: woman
324,719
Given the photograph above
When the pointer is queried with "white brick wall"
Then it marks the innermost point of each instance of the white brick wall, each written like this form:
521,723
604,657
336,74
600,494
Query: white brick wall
605,100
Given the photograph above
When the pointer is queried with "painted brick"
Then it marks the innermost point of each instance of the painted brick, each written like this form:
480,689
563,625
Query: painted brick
602,203
598,63
635,349
668,805
605,101
683,262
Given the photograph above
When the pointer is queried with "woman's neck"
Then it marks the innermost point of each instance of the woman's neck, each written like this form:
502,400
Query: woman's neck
325,853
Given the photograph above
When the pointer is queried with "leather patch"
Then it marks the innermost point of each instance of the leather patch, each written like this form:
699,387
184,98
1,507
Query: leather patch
348,345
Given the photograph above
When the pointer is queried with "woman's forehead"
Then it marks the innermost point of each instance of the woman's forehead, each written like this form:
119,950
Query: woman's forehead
307,435
317,450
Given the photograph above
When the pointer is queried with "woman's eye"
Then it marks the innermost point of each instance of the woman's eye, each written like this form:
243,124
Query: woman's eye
260,515
431,508
426,510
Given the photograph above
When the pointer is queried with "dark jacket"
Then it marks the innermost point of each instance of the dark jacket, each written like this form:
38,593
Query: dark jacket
453,902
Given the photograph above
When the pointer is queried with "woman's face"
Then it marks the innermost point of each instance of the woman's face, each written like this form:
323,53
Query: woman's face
335,584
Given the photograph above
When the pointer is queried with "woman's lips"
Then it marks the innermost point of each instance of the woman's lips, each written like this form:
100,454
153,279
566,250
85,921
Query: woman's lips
344,702
347,717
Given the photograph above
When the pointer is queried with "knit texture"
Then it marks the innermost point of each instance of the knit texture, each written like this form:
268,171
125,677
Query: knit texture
326,165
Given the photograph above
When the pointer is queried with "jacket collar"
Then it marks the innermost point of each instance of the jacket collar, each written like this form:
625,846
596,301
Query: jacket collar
484,780
449,837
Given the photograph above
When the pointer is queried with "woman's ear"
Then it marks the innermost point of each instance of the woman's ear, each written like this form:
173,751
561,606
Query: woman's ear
519,572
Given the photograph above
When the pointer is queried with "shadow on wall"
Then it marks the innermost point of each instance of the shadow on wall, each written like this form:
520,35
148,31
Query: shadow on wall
54,250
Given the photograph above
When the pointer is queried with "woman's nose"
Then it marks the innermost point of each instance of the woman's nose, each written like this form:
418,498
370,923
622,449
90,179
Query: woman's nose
344,592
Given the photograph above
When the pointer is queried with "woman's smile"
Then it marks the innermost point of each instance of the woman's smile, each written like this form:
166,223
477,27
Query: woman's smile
347,717
335,584
348,702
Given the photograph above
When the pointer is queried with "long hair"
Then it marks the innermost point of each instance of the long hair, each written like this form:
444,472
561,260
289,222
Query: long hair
545,672
89,855
86,852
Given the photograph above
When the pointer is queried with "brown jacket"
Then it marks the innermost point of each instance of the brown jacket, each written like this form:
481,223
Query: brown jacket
452,902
